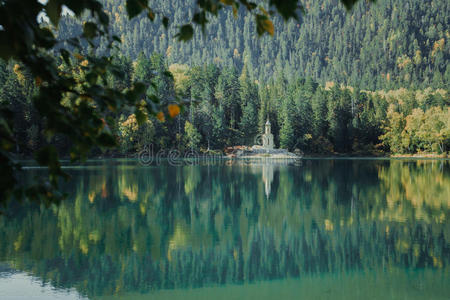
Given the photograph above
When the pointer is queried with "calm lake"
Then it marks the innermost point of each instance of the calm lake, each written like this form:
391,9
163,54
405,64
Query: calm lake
316,229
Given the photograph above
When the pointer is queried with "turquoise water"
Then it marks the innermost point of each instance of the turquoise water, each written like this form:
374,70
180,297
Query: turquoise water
318,229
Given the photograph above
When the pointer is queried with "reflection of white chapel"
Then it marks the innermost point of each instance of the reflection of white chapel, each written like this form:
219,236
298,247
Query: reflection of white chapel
267,177
267,138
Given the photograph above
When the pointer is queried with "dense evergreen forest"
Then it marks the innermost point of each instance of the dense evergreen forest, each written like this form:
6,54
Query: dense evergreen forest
372,80
392,44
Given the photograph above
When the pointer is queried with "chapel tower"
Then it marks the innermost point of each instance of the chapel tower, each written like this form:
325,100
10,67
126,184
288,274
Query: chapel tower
267,137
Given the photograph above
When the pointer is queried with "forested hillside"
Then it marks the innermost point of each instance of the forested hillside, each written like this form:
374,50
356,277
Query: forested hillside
374,80
390,44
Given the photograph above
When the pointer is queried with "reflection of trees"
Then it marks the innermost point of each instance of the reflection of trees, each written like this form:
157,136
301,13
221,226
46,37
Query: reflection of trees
425,185
131,228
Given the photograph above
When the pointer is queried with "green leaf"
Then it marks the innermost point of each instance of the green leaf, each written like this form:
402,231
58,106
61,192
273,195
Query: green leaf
141,117
89,30
66,56
106,140
91,78
151,15
227,2
154,99
46,37
186,33
349,3
140,88
135,7
168,74
250,5
136,93
53,9
263,25
7,137
103,17
6,50
46,156
287,8
165,22
200,19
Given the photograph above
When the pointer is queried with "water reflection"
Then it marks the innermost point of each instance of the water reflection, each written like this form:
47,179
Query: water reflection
267,177
21,286
128,228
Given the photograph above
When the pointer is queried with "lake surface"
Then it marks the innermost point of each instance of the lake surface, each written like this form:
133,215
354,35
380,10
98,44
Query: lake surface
316,229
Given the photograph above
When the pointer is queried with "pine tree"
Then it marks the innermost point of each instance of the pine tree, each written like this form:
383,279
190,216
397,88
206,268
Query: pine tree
287,133
249,100
193,137
249,123
219,131
340,119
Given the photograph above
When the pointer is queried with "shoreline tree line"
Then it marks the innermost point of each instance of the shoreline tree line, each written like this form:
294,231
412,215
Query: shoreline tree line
226,108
